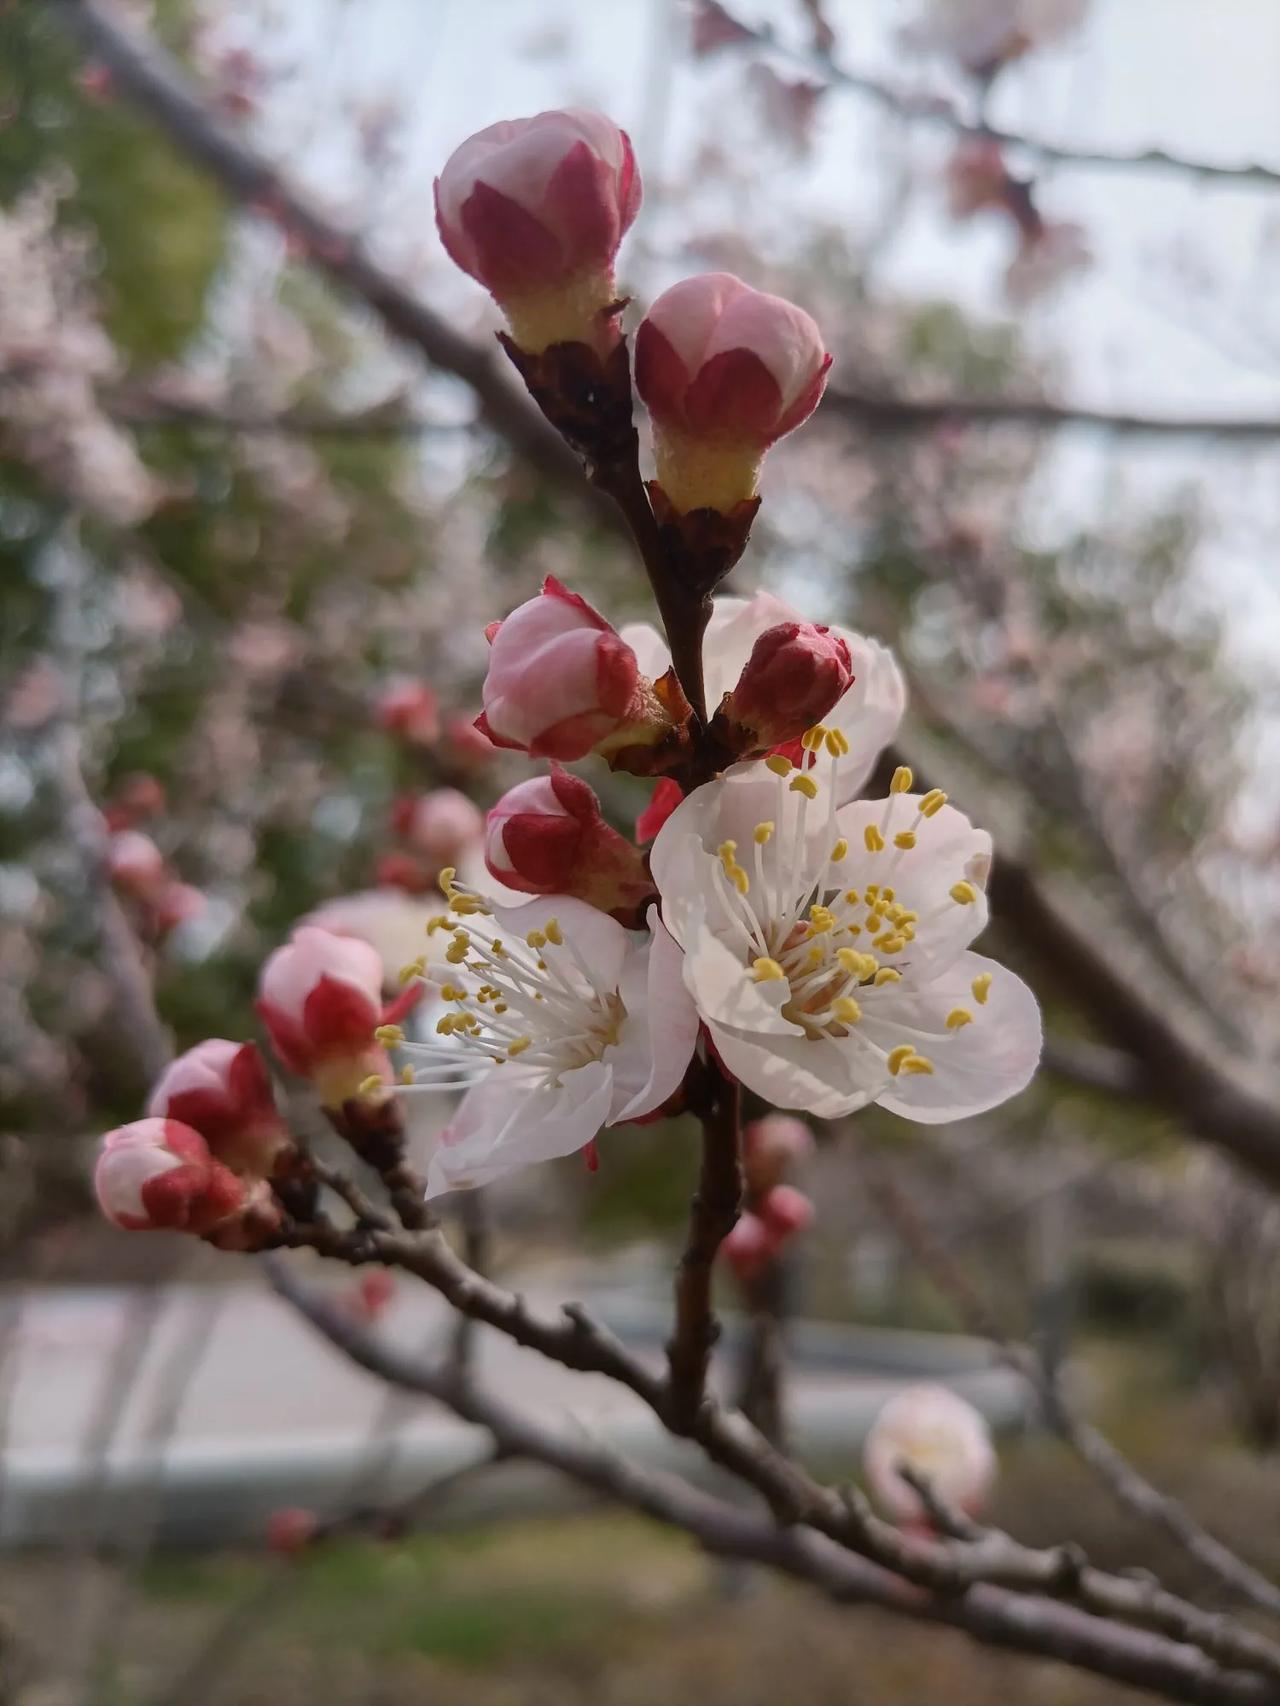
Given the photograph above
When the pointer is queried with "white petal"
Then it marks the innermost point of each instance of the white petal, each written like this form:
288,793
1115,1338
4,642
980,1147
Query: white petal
948,850
870,711
828,1077
716,976
600,941
649,646
735,626
658,1035
508,1121
974,1068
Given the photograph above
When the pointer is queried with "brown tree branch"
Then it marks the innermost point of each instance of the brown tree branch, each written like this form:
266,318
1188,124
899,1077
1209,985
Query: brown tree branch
1127,1485
997,1616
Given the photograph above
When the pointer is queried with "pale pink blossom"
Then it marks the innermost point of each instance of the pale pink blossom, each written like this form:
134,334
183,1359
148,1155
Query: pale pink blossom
941,1437
560,680
534,209
724,371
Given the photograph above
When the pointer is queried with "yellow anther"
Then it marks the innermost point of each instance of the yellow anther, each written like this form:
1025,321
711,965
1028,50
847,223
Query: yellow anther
536,939
778,764
451,992
964,894
415,968
741,881
887,974
856,964
839,851
762,833
847,1010
554,934
441,921
371,1085
406,1075
804,785
872,891
851,897
906,839
390,1035
815,956
496,949
887,894
903,777
767,971
821,919
447,875
873,839
874,920
841,747
499,1006
466,904
919,1065
890,944
981,987
932,803
958,1018
813,738
541,965
446,1025
518,1045
457,950
899,1057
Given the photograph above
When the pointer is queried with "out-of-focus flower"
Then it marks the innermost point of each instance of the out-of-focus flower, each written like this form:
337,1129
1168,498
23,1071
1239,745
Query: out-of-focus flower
320,997
441,824
136,864
1047,256
760,1235
548,836
770,1148
222,1090
291,1529
534,209
391,920
941,1437
796,672
975,176
409,709
725,371
982,35
402,871
869,712
826,944
158,1175
561,681
138,797
467,745
174,904
565,1023
714,28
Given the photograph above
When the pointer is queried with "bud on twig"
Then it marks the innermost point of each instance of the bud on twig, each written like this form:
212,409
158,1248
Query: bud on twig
795,674
320,997
548,836
221,1089
157,1175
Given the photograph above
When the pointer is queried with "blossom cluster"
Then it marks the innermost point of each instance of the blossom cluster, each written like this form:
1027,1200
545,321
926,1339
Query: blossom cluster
784,928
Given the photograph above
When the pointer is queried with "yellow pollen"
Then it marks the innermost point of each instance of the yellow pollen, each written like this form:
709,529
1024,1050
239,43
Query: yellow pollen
456,952
887,974
536,939
958,1018
767,971
541,965
371,1085
447,875
778,764
554,935
813,738
932,803
890,944
905,839
804,785
499,1006
964,894
903,777
886,894
899,1057
815,956
821,919
851,897
389,1034
873,889
856,964
841,747
873,839
497,949
981,987
847,1010
446,1025
406,1075
839,851
517,1045
919,1065
439,922
762,833
466,904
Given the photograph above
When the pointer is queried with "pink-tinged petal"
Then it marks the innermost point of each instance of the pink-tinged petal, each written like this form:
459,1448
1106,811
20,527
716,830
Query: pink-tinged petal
658,1035
870,712
666,796
938,1433
649,647
510,1121
339,1019
733,392
790,1071
975,1067
661,376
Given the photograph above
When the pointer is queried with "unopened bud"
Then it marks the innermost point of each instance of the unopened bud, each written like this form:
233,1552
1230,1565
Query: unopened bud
320,997
409,709
443,824
222,1090
770,1147
939,1435
795,674
291,1528
548,836
535,209
158,1175
725,371
136,864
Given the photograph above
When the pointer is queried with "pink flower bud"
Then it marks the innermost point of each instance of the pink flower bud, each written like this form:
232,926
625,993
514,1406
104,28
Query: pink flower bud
442,824
724,371
221,1089
467,745
174,904
402,871
786,1211
534,209
320,997
560,679
547,836
136,864
749,1247
409,709
770,1146
795,674
291,1528
138,797
941,1436
976,176
157,1175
